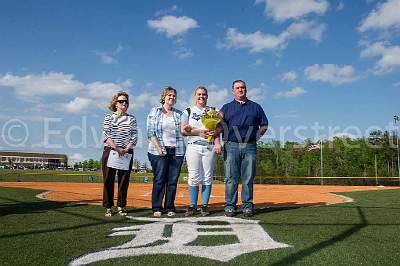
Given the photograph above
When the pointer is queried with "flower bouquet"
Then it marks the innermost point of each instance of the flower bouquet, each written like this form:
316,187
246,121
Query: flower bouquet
210,120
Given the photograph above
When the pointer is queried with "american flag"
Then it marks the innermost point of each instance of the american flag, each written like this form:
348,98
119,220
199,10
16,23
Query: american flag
314,146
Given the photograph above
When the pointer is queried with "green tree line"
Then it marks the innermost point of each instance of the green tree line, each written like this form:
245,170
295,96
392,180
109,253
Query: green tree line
342,156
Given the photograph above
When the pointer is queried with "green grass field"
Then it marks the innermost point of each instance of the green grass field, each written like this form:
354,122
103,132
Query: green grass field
38,232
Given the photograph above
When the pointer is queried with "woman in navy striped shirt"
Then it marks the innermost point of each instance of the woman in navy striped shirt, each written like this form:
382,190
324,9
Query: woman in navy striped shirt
120,135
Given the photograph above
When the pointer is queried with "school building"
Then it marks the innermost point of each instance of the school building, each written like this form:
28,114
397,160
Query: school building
18,159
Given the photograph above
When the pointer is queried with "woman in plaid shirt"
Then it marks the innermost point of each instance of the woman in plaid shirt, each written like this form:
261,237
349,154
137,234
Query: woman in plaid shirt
166,151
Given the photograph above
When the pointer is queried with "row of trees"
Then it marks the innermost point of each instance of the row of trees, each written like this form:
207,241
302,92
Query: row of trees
96,165
88,165
341,157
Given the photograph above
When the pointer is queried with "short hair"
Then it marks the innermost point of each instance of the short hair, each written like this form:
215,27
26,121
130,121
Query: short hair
164,93
237,81
200,88
113,103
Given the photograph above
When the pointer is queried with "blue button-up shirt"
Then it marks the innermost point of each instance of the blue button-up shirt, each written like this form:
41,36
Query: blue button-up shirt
154,128
242,121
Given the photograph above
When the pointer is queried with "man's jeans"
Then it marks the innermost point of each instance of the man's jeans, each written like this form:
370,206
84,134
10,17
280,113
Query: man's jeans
166,170
239,161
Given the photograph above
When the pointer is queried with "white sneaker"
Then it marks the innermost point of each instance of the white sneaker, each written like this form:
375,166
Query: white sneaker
157,214
171,214
108,212
122,211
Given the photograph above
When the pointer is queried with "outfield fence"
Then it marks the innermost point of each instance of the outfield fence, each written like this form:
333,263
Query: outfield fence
96,177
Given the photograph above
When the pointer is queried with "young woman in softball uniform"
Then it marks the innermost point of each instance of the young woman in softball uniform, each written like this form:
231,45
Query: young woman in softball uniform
201,156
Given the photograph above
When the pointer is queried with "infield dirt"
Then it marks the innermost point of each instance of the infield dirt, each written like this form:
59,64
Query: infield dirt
139,195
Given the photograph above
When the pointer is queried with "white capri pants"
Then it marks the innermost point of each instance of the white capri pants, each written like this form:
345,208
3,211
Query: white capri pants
201,161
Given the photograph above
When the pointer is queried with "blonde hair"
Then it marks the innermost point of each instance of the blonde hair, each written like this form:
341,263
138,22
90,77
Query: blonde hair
113,103
164,93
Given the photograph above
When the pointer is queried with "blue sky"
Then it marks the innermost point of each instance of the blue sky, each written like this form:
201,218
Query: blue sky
332,65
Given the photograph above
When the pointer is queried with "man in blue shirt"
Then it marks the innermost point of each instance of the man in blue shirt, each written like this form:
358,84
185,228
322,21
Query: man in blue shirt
244,123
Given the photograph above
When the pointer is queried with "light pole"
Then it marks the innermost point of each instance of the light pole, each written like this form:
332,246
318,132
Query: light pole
396,120
375,140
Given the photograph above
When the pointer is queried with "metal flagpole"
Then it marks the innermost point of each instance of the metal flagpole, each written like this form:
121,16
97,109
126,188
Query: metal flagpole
398,156
322,165
396,119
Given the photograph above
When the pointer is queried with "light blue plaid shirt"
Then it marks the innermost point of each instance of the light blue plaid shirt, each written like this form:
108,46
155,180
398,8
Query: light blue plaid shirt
154,128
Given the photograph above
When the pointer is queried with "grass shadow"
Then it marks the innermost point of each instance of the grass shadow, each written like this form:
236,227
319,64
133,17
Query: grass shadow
11,206
315,248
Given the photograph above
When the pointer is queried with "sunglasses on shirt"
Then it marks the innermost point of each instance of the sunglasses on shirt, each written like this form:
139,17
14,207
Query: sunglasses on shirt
123,101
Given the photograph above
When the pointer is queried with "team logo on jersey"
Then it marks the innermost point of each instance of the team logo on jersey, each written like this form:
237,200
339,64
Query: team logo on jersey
196,117
175,235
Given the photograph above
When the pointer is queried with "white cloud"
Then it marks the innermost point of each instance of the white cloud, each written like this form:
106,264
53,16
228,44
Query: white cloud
289,76
217,97
106,90
384,16
119,49
396,84
256,94
281,10
96,95
109,58
51,83
389,56
183,53
77,157
170,10
331,73
173,26
106,58
79,105
258,42
37,86
295,92
258,62
340,6
89,102
144,99
304,28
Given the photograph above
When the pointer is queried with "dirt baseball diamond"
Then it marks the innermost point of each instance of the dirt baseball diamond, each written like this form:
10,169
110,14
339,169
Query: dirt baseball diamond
139,195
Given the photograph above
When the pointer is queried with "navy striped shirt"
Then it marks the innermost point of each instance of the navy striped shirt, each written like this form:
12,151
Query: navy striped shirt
121,129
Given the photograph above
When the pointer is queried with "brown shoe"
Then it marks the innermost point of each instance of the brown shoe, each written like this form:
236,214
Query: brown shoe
191,210
205,211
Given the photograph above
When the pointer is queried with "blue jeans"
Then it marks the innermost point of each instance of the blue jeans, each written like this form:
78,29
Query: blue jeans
166,171
239,161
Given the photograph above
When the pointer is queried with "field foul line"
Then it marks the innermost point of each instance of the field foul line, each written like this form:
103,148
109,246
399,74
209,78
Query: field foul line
42,195
346,199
